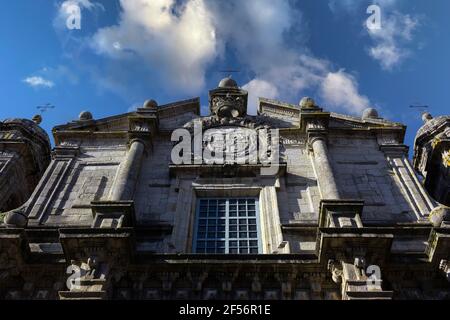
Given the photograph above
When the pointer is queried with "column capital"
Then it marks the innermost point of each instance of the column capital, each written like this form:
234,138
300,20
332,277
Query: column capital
147,143
135,140
314,119
316,135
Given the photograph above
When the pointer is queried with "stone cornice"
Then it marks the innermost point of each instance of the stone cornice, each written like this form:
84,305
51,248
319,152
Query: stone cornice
277,107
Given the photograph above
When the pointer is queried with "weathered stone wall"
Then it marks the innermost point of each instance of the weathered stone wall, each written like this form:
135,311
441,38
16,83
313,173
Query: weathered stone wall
362,172
69,187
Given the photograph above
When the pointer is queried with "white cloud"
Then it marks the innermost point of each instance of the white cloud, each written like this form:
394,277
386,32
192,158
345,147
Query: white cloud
38,82
340,89
175,41
389,43
282,70
259,88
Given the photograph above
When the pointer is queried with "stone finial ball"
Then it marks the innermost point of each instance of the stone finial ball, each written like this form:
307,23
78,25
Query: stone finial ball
307,103
85,115
37,119
227,83
426,116
370,113
150,104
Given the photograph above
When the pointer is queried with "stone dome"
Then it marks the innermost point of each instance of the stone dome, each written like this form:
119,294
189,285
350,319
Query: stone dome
370,113
431,124
85,115
29,126
227,83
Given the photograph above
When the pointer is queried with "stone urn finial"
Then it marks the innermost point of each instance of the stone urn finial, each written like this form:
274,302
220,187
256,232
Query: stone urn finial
307,103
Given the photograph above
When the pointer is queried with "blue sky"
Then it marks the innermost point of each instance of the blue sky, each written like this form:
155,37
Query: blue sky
128,51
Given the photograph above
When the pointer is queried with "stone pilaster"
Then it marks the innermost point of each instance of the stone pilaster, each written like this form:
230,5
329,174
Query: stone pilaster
315,123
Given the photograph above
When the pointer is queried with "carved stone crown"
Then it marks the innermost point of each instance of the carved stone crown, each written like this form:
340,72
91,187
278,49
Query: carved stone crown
228,100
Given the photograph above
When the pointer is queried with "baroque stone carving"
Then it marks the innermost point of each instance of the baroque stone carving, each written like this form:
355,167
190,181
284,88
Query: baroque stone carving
228,100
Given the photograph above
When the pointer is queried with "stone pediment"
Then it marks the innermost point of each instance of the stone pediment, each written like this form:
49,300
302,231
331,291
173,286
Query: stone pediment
180,107
284,114
288,115
114,123
344,121
129,121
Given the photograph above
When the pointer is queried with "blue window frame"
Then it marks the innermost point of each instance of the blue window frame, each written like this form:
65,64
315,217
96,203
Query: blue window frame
227,226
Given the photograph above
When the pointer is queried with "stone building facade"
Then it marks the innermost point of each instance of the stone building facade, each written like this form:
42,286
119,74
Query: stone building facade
343,216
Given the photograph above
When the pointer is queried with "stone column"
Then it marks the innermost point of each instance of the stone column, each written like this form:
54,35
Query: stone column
128,174
325,176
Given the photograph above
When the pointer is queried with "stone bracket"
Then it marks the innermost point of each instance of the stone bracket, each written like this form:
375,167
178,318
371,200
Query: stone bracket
65,152
346,243
395,149
113,214
341,213
105,244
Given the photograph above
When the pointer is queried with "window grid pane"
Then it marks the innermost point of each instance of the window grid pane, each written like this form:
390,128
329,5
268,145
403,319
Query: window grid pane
227,226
